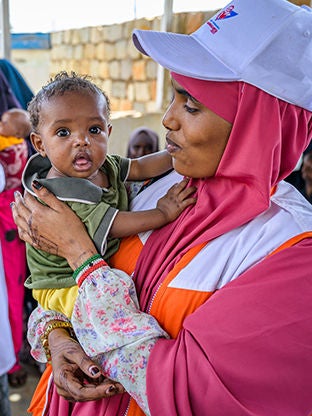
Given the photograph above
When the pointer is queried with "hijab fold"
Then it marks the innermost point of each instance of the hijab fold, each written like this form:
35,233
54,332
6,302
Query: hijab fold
266,141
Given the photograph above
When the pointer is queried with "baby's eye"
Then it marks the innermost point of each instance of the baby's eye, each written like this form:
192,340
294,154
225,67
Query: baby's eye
63,132
95,130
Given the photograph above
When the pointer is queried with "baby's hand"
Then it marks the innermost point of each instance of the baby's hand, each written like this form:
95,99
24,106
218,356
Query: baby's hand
177,198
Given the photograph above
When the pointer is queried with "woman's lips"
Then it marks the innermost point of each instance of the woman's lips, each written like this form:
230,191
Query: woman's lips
171,146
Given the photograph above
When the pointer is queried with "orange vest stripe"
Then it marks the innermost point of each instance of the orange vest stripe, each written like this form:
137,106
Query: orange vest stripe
292,241
38,400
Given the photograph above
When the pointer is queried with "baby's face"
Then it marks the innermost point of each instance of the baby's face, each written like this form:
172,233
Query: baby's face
73,133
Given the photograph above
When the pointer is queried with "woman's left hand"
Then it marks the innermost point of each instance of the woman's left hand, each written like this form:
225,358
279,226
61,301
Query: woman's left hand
53,227
76,376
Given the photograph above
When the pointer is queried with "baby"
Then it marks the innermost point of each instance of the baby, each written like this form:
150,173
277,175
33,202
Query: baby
70,131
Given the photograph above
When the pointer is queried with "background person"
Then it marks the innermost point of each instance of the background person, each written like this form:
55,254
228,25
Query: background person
14,129
142,141
19,86
7,96
306,172
220,279
301,177
7,356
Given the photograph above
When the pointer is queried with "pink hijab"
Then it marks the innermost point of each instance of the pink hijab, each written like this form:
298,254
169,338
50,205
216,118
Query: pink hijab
267,139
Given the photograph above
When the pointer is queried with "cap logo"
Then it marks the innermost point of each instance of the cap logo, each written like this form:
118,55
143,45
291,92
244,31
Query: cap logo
224,14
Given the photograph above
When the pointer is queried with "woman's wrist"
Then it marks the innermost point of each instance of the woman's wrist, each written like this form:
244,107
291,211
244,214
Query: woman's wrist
76,259
51,326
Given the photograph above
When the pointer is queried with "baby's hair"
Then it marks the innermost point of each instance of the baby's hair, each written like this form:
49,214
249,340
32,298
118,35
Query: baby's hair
59,85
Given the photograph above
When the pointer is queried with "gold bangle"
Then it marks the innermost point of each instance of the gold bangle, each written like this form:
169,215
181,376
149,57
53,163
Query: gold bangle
49,328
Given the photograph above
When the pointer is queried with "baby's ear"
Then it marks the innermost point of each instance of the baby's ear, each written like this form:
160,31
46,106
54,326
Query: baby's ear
36,141
109,128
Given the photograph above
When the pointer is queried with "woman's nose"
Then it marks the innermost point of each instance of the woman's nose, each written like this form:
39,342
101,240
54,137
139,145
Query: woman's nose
169,120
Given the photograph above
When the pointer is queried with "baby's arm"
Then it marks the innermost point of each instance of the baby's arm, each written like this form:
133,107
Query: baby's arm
149,166
61,300
168,208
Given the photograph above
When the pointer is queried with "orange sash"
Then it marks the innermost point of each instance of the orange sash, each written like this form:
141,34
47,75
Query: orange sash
38,400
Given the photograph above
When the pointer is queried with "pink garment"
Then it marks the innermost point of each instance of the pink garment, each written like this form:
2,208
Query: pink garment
237,350
220,355
14,261
13,160
267,139
58,406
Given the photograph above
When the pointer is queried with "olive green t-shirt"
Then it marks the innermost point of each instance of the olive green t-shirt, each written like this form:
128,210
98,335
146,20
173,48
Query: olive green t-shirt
97,208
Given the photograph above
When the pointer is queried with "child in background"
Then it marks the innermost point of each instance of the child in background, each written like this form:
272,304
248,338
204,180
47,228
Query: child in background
70,130
14,128
142,141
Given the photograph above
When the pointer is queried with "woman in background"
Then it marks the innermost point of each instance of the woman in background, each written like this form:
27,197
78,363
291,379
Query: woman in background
142,141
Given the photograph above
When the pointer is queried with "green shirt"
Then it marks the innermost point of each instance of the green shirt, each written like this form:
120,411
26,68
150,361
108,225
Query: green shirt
96,207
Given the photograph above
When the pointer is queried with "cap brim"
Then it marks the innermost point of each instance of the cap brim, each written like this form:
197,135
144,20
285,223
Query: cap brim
182,54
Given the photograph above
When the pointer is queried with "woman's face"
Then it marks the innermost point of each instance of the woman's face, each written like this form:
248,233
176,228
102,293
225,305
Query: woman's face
196,136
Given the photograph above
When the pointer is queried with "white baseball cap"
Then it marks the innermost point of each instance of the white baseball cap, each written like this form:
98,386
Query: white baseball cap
266,43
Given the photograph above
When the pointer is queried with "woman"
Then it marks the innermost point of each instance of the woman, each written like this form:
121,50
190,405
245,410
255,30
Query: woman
142,141
14,129
229,281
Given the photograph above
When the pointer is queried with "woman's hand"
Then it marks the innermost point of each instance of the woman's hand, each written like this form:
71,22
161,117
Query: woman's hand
53,227
76,377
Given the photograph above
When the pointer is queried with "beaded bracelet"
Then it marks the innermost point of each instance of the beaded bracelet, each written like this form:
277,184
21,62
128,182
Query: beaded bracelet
49,328
83,271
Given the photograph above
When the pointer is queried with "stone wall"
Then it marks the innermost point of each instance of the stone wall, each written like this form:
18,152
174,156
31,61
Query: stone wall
108,55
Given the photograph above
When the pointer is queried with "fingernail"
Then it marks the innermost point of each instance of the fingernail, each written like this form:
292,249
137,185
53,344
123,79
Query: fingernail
36,184
94,370
11,204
